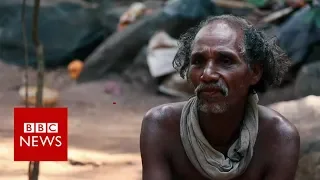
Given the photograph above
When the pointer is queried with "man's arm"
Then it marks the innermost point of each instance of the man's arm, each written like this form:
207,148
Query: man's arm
286,152
155,163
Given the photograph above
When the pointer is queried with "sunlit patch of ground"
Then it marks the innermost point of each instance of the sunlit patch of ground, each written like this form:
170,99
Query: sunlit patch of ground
82,164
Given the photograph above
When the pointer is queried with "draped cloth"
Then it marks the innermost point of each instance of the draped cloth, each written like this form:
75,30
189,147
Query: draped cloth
210,162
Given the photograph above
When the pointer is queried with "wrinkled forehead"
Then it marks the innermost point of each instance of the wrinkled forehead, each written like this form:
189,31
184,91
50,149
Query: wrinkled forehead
219,34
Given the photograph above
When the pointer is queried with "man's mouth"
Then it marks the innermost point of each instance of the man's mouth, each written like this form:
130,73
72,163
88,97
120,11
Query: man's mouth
210,93
212,90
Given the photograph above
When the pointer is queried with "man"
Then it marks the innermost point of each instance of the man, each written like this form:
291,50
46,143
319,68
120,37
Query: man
221,133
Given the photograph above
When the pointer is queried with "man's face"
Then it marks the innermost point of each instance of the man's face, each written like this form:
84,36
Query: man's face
217,70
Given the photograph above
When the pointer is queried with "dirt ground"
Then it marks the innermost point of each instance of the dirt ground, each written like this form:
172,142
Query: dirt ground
103,137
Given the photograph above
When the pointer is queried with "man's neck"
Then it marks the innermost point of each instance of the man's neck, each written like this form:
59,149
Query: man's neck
221,130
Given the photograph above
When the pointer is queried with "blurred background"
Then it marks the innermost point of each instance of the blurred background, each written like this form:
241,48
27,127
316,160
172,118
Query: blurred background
109,61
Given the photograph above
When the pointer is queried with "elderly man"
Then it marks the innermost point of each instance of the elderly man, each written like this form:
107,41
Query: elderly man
222,133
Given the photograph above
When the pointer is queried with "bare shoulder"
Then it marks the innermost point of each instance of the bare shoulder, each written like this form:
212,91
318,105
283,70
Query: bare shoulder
280,139
273,122
160,124
163,116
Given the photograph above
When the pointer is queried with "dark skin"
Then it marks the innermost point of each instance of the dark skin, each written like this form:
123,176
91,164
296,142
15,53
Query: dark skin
216,55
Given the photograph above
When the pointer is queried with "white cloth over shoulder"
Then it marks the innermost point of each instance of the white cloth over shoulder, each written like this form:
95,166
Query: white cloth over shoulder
210,162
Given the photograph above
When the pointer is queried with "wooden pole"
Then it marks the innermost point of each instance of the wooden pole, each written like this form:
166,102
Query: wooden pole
34,166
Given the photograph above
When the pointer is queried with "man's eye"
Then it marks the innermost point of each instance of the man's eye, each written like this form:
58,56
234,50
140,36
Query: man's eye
226,61
197,61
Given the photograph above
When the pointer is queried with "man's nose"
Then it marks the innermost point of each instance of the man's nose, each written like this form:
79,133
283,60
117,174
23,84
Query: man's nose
209,73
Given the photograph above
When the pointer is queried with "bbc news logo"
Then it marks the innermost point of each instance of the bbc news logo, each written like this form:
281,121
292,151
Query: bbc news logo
40,134
40,127
36,141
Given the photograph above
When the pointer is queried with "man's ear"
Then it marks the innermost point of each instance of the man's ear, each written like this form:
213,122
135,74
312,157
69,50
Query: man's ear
256,73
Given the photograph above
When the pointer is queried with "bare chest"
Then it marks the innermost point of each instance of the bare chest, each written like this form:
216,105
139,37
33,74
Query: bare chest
182,168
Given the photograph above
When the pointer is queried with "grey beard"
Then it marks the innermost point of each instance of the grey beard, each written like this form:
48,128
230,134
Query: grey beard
216,108
220,107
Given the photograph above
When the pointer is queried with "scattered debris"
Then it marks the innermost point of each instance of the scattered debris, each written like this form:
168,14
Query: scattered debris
119,50
75,68
50,96
94,164
79,163
161,51
113,88
175,86
135,11
160,40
